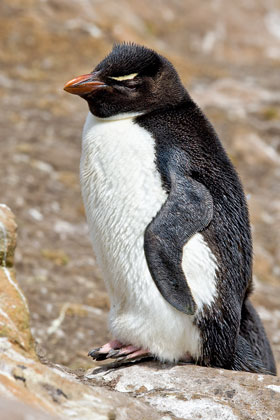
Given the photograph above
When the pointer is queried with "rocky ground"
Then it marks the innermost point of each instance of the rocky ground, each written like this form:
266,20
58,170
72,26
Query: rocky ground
228,55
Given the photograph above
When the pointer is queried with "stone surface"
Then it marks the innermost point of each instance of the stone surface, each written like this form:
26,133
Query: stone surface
60,393
193,392
24,378
14,313
12,409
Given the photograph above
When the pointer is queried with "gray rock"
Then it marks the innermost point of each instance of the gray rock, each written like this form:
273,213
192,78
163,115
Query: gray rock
12,409
192,392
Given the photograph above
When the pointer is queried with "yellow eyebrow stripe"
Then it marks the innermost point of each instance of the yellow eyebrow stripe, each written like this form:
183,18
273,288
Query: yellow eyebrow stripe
127,77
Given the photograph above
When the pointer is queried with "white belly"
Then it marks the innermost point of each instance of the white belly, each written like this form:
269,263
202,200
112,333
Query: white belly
122,192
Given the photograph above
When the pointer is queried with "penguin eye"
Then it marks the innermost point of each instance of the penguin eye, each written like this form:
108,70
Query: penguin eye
122,78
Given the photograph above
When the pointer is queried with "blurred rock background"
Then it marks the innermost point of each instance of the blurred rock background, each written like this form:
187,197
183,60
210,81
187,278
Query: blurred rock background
228,55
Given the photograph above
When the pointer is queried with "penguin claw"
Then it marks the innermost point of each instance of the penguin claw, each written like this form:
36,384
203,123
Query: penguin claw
94,352
122,352
137,355
96,355
133,357
112,354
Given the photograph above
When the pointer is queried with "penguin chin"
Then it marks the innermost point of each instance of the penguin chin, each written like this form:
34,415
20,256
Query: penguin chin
121,116
103,113
98,112
100,106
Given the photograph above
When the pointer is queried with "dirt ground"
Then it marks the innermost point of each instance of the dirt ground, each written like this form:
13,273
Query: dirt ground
228,56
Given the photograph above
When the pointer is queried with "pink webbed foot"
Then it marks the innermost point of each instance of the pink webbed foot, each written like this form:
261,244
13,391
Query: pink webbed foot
116,350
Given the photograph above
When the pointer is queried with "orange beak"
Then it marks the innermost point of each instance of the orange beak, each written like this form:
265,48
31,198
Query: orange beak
87,83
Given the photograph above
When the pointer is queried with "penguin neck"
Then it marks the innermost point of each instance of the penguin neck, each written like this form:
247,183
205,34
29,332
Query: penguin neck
121,116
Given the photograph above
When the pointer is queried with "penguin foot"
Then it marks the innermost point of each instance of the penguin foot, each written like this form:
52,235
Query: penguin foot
129,354
115,350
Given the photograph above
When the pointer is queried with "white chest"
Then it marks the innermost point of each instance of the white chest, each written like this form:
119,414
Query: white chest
122,192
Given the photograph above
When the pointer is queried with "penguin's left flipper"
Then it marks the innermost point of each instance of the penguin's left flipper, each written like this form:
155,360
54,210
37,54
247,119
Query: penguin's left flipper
187,210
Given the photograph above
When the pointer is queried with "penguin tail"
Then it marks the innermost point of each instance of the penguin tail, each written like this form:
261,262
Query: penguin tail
246,360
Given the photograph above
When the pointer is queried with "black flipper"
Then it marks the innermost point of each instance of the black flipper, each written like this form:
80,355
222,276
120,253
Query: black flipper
187,210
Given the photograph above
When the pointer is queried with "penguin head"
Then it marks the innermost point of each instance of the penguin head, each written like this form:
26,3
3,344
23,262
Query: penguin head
131,79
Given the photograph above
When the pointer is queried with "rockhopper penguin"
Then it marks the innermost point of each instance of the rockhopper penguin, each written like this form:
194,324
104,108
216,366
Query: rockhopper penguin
168,219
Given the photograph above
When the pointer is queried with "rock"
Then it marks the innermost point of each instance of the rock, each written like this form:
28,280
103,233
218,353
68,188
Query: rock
192,392
27,385
15,410
61,393
8,236
14,313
